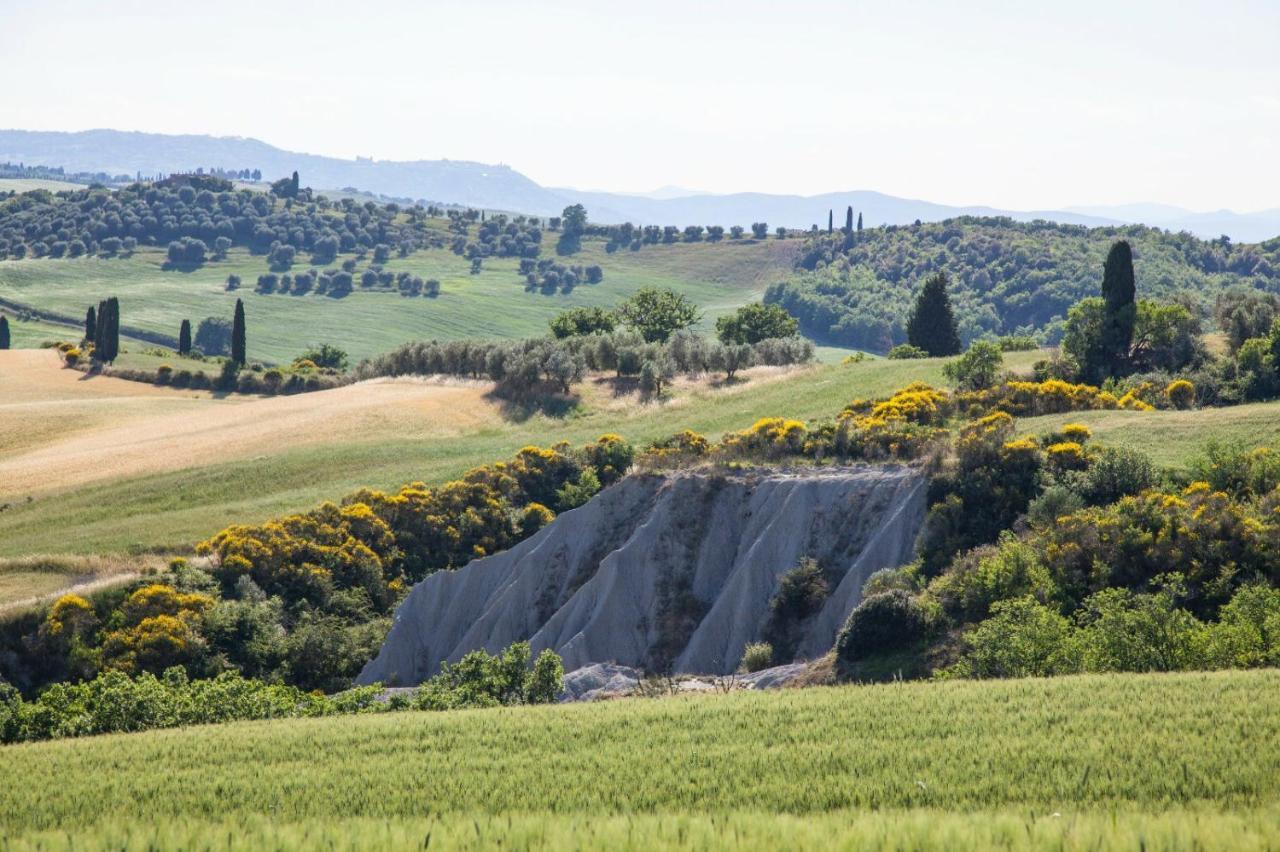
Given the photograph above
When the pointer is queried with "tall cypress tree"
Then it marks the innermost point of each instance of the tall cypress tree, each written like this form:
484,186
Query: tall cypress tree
4,332
237,335
848,220
184,338
90,324
830,222
1120,310
107,340
100,331
859,221
932,326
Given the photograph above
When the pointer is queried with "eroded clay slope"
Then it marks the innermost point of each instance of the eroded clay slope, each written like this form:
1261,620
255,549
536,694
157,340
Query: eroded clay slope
664,572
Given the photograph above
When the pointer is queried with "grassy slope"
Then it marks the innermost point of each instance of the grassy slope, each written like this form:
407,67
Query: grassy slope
32,333
492,304
1173,438
169,510
1077,762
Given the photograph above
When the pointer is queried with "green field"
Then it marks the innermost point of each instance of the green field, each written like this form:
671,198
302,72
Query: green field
1136,761
31,334
1173,438
494,304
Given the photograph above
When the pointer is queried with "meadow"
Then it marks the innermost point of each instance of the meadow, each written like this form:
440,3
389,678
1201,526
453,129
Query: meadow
1153,761
493,304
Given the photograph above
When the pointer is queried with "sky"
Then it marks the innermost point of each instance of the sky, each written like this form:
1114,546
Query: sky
1022,105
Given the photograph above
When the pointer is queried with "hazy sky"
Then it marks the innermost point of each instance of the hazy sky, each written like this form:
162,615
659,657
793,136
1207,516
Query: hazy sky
1014,104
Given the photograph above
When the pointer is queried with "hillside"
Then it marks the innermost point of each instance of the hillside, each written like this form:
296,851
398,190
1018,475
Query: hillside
167,501
492,304
367,277
1121,761
856,290
605,583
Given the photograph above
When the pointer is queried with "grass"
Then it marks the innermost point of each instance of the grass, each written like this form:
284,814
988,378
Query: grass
21,185
1161,761
494,304
1173,438
31,334
253,478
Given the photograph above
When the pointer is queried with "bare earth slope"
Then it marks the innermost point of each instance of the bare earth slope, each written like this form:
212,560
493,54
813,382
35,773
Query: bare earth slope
664,572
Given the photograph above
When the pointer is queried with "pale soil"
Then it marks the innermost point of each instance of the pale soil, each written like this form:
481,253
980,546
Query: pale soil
59,429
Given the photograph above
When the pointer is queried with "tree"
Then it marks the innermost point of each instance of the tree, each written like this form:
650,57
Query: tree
237,335
848,220
1120,310
581,321
932,325
106,334
4,332
325,355
830,222
976,369
859,221
184,338
574,225
213,336
655,313
755,322
90,324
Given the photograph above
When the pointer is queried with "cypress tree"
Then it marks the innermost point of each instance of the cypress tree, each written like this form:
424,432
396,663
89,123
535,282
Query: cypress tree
107,337
1120,310
848,220
237,335
100,331
184,338
830,222
4,332
932,326
859,221
293,185
90,324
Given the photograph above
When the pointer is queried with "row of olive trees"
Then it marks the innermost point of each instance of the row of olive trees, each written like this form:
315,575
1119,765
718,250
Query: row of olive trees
528,365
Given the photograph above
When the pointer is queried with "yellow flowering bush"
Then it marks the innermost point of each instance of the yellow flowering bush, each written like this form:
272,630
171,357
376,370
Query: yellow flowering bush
1066,455
769,436
1181,394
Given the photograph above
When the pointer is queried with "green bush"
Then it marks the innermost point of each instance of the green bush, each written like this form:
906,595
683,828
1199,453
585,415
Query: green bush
893,621
905,352
976,369
801,593
756,657
481,679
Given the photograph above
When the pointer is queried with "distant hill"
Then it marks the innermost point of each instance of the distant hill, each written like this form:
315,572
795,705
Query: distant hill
476,184
499,187
1242,227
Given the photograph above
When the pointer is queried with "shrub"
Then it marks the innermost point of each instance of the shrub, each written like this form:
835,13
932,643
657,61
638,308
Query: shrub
801,593
893,621
905,351
1181,394
977,368
757,656
1023,638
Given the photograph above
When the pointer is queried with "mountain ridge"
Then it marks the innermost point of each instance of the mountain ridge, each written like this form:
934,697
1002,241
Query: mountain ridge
501,187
